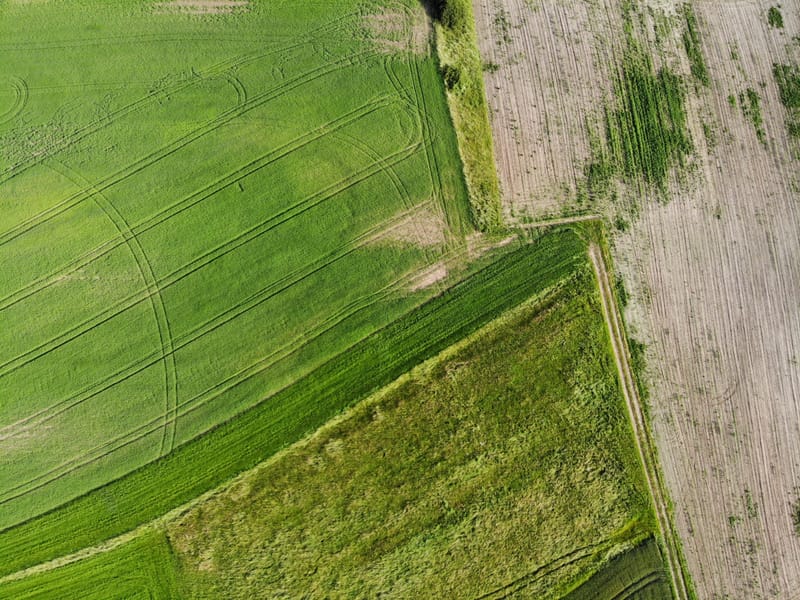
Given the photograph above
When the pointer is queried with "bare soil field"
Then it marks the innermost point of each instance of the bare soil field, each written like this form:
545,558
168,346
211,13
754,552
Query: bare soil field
542,69
713,273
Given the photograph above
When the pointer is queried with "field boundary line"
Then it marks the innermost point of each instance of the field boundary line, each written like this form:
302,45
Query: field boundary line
633,402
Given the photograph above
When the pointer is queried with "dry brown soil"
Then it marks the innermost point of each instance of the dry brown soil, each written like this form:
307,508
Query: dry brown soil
713,274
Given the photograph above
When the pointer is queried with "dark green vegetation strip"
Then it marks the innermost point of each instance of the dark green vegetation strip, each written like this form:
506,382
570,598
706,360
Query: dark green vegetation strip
638,573
142,569
462,71
646,133
285,417
504,466
788,79
691,43
750,103
774,17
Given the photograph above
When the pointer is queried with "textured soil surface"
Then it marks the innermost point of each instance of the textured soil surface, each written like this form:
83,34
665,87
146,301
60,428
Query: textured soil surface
713,273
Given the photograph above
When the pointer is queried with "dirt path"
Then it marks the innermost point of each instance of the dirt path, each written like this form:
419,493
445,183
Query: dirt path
644,443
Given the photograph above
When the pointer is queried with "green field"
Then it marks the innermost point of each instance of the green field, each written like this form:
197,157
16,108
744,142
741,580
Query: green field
505,465
197,211
237,244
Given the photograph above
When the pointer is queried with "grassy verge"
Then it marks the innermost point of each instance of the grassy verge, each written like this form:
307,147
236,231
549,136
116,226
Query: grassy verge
457,46
288,415
504,465
140,570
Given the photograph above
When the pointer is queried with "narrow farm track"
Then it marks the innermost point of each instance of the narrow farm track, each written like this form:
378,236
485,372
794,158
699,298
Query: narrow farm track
636,413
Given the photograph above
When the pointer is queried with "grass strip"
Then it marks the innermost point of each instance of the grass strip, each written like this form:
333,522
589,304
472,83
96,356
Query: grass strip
462,70
144,568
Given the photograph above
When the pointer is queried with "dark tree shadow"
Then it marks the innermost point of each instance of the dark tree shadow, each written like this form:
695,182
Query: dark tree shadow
433,8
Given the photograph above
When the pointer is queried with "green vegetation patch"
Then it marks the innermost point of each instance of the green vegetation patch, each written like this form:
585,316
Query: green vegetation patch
283,418
774,17
646,133
197,210
750,103
142,569
788,79
505,466
637,574
691,43
462,71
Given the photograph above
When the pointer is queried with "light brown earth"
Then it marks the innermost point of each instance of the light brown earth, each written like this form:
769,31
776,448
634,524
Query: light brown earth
552,75
202,7
713,274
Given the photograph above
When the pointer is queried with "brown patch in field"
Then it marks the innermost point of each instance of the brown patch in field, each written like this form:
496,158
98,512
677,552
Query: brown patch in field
424,228
400,31
428,277
479,244
202,7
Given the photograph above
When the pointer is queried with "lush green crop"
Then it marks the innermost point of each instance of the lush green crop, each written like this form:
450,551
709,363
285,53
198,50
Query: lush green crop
295,410
638,573
142,569
196,212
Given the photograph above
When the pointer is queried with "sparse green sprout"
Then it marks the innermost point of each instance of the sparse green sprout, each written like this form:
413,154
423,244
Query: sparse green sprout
491,67
691,43
750,103
796,516
775,18
732,100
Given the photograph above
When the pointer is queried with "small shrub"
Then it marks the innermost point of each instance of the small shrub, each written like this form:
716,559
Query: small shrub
796,517
451,76
452,14
774,17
